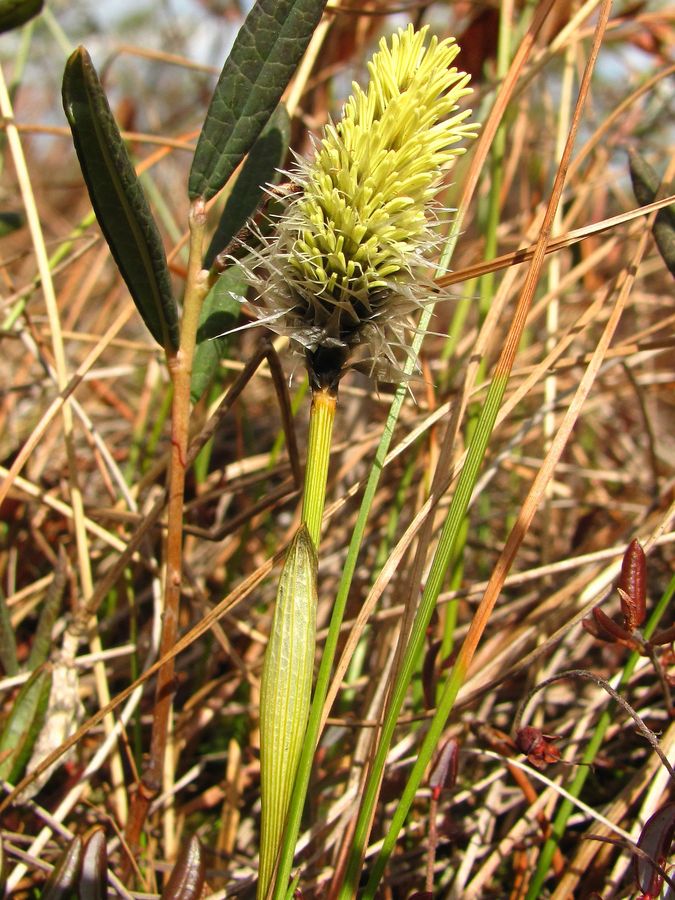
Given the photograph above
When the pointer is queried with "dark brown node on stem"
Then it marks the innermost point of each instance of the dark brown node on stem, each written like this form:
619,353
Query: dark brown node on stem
325,367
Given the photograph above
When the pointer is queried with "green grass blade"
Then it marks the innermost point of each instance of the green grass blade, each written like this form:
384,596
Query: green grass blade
263,59
118,199
328,655
452,528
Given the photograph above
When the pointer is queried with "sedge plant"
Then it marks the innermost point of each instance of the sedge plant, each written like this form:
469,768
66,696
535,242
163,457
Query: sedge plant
344,270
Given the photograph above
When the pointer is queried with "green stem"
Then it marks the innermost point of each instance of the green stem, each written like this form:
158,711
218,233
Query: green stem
321,418
323,678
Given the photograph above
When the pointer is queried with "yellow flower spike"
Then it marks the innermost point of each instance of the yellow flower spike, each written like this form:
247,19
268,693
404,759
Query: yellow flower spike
285,693
345,266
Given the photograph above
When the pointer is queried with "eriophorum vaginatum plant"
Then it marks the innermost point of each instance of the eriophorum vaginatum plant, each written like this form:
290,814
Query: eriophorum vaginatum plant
344,269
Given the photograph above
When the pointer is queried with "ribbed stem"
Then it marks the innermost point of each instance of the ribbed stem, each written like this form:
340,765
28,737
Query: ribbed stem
321,418
285,694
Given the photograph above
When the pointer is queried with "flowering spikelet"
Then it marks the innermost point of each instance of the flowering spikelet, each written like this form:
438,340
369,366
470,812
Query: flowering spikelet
344,267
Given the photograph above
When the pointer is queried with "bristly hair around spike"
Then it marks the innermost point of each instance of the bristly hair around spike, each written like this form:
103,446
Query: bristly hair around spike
345,264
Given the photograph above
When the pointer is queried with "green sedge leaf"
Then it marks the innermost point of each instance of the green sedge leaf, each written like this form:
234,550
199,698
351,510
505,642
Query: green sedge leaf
261,167
263,59
24,723
219,315
285,692
14,13
189,874
118,199
42,644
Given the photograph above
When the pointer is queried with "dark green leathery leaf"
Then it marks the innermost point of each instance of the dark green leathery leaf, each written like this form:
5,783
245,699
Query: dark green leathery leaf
14,13
3,869
10,222
24,723
261,167
645,186
118,199
42,643
263,59
8,657
219,315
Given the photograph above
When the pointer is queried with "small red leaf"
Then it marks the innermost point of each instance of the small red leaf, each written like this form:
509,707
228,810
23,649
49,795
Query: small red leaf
444,770
655,840
633,586
609,625
667,636
187,878
537,746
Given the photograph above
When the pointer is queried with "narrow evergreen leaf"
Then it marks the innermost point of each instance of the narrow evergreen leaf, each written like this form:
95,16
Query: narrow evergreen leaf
645,185
118,199
3,869
42,644
219,315
8,657
62,883
261,168
14,13
10,222
24,723
263,59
